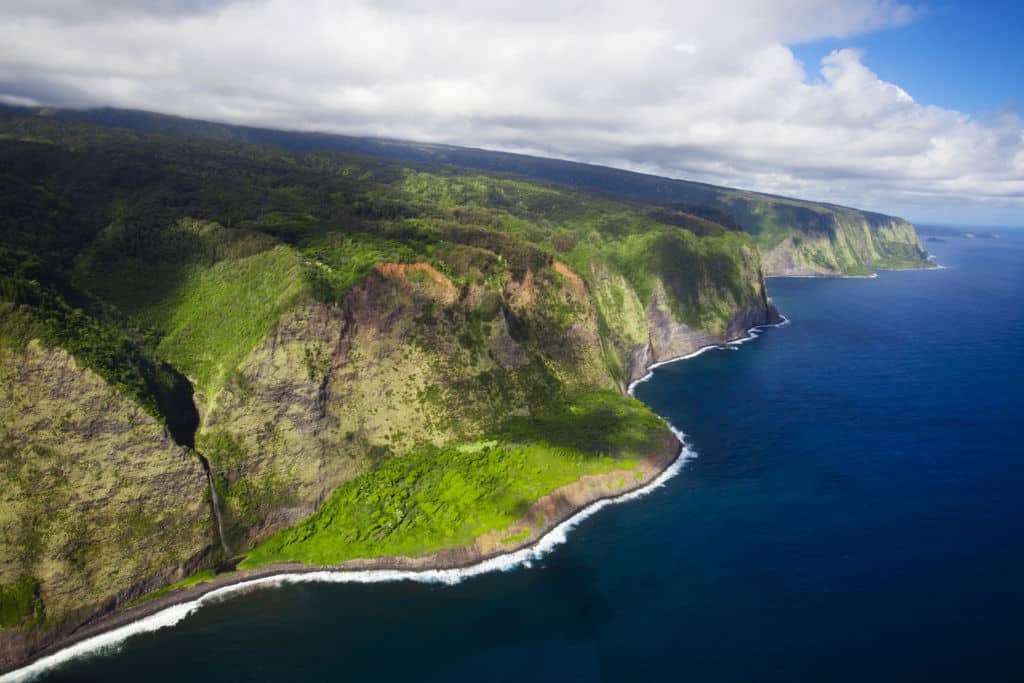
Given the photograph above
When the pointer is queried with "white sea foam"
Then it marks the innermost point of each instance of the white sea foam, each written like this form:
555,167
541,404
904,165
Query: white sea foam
823,276
525,557
752,334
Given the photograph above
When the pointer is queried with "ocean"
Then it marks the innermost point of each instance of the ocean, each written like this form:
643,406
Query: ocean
855,512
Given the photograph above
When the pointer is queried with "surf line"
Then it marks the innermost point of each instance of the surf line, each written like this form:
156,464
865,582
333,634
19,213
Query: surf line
109,641
752,334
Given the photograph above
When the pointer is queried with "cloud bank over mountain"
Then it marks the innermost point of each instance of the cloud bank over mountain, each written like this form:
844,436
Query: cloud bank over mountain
707,92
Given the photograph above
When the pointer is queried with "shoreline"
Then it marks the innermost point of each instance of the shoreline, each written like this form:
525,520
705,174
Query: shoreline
752,334
826,276
929,264
447,567
111,630
935,265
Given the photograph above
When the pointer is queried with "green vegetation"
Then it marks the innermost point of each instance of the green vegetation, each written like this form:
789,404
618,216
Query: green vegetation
338,261
20,602
218,314
772,220
769,218
895,263
438,498
210,242
416,352
94,495
148,255
688,266
519,537
202,295
33,306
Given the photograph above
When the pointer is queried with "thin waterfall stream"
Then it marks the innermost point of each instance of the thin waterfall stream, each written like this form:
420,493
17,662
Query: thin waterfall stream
215,503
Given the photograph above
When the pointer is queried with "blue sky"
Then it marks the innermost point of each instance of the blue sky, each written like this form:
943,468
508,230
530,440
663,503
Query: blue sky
964,56
885,105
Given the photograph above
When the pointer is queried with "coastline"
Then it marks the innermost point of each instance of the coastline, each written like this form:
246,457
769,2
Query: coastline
752,334
563,509
827,276
929,264
559,511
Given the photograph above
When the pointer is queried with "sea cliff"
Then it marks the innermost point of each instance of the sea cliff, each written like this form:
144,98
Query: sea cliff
246,357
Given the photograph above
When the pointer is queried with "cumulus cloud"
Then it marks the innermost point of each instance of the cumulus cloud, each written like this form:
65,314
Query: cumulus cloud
708,91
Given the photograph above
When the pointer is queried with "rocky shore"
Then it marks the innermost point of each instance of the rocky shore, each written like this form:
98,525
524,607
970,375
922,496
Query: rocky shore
542,517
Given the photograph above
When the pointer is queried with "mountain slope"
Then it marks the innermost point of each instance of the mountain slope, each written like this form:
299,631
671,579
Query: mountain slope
325,333
98,505
796,237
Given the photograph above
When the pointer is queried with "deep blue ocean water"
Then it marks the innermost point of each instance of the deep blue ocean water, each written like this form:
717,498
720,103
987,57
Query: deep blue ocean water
856,513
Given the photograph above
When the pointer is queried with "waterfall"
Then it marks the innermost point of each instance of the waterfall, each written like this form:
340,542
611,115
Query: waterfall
215,501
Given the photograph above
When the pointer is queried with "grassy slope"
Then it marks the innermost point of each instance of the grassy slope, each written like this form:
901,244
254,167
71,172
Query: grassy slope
217,315
433,499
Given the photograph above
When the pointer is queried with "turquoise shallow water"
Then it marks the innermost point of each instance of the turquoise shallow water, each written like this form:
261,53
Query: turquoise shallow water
856,511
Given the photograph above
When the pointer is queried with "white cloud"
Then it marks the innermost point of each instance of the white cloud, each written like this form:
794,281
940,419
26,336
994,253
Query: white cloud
17,101
698,90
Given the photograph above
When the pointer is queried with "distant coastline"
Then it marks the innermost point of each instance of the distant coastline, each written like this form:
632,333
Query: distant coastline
927,265
825,276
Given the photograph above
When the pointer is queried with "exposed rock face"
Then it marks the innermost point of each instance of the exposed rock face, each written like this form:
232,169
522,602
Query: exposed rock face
412,357
443,289
98,505
720,309
747,318
784,260
670,339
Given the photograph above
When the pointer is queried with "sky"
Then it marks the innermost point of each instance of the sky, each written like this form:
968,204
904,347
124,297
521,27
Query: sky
903,108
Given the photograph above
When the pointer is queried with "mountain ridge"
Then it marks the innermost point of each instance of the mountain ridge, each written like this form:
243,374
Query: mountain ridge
801,237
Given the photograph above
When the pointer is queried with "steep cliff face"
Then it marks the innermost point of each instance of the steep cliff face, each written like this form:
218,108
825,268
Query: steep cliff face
847,243
670,339
409,358
98,505
686,296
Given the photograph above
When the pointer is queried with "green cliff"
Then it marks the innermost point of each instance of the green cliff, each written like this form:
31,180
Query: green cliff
833,240
98,505
371,357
